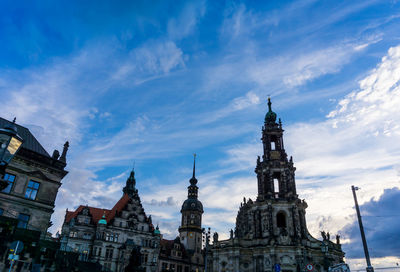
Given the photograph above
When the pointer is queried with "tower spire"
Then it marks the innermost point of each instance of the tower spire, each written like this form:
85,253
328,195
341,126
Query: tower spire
193,180
130,188
273,182
270,117
194,165
269,104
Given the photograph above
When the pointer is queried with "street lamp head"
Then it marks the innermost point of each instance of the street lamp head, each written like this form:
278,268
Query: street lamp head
10,143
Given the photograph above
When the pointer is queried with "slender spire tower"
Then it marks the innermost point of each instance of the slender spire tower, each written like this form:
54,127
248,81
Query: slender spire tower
190,231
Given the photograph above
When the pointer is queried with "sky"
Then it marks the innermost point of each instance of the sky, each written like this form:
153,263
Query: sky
149,84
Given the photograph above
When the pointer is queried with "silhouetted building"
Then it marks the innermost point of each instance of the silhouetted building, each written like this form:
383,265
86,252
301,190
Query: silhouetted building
185,254
120,239
271,231
27,203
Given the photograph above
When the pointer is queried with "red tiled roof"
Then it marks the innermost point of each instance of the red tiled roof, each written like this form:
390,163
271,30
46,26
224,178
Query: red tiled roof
97,213
119,206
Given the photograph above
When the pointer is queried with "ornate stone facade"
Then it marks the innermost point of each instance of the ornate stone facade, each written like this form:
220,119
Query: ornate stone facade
120,238
27,203
34,179
272,229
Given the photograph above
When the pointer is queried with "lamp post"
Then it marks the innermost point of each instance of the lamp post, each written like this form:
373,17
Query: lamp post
10,143
364,241
207,244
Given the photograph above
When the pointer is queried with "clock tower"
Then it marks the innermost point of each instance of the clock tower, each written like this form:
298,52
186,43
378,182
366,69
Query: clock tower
190,231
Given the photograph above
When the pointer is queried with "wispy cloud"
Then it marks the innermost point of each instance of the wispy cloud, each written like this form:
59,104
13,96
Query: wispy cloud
134,82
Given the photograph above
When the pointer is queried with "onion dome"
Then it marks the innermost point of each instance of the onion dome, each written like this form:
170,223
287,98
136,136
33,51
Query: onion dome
157,230
103,220
192,204
270,117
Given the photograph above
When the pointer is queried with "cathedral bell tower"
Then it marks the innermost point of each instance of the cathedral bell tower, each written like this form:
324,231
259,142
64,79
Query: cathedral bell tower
275,173
190,231
272,230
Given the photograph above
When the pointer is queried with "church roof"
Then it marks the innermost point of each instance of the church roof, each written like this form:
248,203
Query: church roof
97,213
30,142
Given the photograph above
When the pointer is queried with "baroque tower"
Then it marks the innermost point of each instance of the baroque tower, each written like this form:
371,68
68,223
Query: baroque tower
190,231
271,231
275,174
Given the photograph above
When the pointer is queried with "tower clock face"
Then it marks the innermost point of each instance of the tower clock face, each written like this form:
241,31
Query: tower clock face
275,155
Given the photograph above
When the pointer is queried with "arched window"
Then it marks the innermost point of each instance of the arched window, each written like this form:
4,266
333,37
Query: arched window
281,220
276,185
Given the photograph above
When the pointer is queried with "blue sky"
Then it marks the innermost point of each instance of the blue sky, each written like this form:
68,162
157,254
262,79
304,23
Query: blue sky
129,81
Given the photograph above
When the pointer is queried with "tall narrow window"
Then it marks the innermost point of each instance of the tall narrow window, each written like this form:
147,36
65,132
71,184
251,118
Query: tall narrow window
273,147
23,220
276,185
10,178
109,253
32,189
281,220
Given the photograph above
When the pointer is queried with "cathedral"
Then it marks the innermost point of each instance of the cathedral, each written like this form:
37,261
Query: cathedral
271,232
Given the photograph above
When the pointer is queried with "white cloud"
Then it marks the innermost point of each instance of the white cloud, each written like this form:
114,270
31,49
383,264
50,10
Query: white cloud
149,61
185,23
250,99
358,144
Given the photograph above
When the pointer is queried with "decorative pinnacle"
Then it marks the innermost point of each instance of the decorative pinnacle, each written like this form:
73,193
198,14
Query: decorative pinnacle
270,117
193,180
15,119
194,165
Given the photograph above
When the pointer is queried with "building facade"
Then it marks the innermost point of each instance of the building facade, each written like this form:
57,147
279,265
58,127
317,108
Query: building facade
34,179
185,253
173,256
271,231
118,239
27,203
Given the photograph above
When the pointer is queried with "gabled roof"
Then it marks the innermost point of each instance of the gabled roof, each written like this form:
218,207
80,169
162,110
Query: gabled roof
119,206
30,142
97,213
